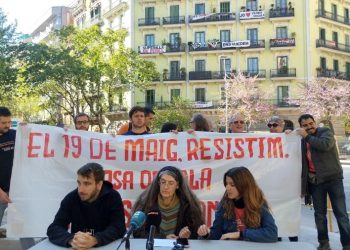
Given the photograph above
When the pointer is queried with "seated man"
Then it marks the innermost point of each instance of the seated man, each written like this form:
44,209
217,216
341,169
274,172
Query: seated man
95,211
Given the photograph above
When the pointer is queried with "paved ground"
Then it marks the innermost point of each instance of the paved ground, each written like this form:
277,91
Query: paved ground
307,227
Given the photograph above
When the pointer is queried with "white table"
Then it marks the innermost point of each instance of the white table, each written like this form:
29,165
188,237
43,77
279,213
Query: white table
140,244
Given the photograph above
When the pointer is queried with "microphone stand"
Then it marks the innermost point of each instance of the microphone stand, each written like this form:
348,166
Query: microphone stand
127,244
150,240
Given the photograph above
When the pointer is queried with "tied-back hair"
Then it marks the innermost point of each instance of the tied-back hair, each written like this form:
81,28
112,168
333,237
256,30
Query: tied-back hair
252,195
148,199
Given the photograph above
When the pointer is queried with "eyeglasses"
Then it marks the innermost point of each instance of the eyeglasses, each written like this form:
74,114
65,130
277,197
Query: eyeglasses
272,125
82,122
240,122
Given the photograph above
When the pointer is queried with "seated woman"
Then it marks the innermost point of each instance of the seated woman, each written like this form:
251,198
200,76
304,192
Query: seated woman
243,212
179,208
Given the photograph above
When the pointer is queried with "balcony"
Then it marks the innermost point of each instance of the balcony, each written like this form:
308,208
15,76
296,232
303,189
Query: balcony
174,76
211,46
159,105
173,21
152,50
114,9
175,49
251,16
328,73
281,14
78,8
258,45
283,103
96,20
283,72
213,18
333,19
261,74
209,75
282,43
149,22
332,46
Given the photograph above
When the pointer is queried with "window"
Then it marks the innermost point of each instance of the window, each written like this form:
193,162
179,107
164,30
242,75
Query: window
335,37
174,40
225,65
199,9
323,63
336,65
321,6
95,12
346,16
149,40
347,43
347,70
282,64
253,66
281,32
225,35
174,11
323,34
252,35
174,69
200,65
149,15
150,97
200,38
224,7
282,95
334,12
174,93
252,5
281,4
200,94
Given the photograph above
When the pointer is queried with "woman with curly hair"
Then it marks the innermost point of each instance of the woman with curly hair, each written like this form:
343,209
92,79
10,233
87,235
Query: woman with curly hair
243,212
180,210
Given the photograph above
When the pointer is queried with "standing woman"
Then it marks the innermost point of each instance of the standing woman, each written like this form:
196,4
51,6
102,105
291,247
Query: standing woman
243,212
199,123
180,210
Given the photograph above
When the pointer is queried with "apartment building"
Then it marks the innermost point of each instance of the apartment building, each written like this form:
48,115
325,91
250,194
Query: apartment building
194,43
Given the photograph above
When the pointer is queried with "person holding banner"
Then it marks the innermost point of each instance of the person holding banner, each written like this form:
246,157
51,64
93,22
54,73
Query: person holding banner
94,210
322,175
137,118
243,212
7,148
82,122
180,210
237,124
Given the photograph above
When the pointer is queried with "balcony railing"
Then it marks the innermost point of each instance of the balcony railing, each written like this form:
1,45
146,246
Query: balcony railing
282,42
283,72
149,21
252,73
213,17
255,44
333,17
210,75
333,74
208,46
172,48
281,12
159,105
283,103
174,76
173,20
333,45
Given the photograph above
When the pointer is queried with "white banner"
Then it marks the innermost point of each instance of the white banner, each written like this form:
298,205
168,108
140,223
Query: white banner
251,15
235,44
47,159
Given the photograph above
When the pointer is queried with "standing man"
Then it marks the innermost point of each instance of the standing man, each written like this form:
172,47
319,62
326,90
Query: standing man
7,146
94,210
237,124
149,117
82,122
322,174
137,118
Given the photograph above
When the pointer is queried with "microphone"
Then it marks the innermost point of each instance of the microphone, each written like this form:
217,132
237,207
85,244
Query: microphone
136,222
154,218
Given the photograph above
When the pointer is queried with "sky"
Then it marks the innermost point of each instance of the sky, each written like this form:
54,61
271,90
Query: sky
30,13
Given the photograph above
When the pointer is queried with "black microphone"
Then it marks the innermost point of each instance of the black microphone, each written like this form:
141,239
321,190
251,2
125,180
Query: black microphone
154,218
136,222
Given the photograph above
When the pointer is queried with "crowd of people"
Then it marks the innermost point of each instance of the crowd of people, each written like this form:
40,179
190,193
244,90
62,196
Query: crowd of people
94,211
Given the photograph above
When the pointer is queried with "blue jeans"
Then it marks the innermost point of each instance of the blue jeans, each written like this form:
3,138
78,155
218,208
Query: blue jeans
3,206
335,190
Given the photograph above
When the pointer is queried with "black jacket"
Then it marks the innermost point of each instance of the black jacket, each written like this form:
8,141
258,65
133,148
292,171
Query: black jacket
105,216
324,155
7,148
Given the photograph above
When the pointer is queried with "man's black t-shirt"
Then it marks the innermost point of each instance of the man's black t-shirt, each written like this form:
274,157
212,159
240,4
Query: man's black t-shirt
7,148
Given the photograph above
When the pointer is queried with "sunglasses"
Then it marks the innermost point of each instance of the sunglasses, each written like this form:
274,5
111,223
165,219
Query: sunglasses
236,122
272,125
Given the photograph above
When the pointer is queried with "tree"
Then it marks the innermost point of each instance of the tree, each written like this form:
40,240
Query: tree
243,96
179,112
8,70
325,99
